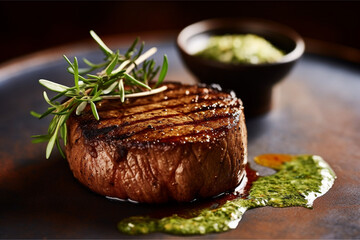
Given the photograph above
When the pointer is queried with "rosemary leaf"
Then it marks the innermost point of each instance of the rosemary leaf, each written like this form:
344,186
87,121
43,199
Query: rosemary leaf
59,148
94,110
121,67
132,79
110,88
59,95
63,133
50,110
94,76
40,138
140,51
35,114
163,72
69,62
51,142
81,108
112,65
76,74
130,51
53,86
121,91
95,99
102,45
48,100
53,124
81,70
90,64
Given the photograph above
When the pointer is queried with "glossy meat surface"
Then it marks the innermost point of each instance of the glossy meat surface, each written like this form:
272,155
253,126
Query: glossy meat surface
184,143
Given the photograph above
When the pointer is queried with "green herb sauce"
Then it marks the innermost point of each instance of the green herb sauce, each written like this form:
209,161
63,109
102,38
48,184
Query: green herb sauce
240,48
298,182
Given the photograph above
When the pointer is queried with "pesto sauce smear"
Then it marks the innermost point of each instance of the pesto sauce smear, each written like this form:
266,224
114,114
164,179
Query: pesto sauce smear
240,48
298,182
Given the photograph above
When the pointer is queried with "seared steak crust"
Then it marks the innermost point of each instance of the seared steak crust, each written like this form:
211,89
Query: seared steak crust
184,143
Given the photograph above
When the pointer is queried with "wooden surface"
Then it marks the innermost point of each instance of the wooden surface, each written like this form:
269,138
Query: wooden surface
316,110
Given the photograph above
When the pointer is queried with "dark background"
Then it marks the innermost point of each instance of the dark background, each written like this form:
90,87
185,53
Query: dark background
30,26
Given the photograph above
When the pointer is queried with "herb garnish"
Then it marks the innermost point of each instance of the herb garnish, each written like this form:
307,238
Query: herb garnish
120,77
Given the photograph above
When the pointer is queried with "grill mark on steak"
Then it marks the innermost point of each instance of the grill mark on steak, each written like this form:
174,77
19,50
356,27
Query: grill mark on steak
99,133
175,125
200,133
120,127
90,132
166,99
93,129
200,109
192,102
201,91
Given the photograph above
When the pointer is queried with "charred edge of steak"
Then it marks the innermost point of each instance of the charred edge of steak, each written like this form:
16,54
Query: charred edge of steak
97,132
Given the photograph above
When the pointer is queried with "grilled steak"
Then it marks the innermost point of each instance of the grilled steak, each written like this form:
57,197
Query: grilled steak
184,143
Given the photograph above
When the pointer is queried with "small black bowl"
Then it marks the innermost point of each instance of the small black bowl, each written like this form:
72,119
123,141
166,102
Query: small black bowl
252,83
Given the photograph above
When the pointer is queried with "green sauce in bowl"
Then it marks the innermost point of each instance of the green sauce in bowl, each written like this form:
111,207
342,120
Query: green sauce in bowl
240,49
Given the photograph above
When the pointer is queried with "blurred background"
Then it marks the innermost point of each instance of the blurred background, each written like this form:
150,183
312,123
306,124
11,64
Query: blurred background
31,26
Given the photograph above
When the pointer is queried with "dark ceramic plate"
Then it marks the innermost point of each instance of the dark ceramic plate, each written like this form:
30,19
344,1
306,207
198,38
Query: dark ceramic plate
315,111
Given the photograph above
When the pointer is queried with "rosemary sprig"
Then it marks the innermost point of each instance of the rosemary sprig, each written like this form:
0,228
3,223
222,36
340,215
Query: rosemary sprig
119,77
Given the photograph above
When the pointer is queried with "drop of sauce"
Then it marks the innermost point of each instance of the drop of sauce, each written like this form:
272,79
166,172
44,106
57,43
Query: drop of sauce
272,160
